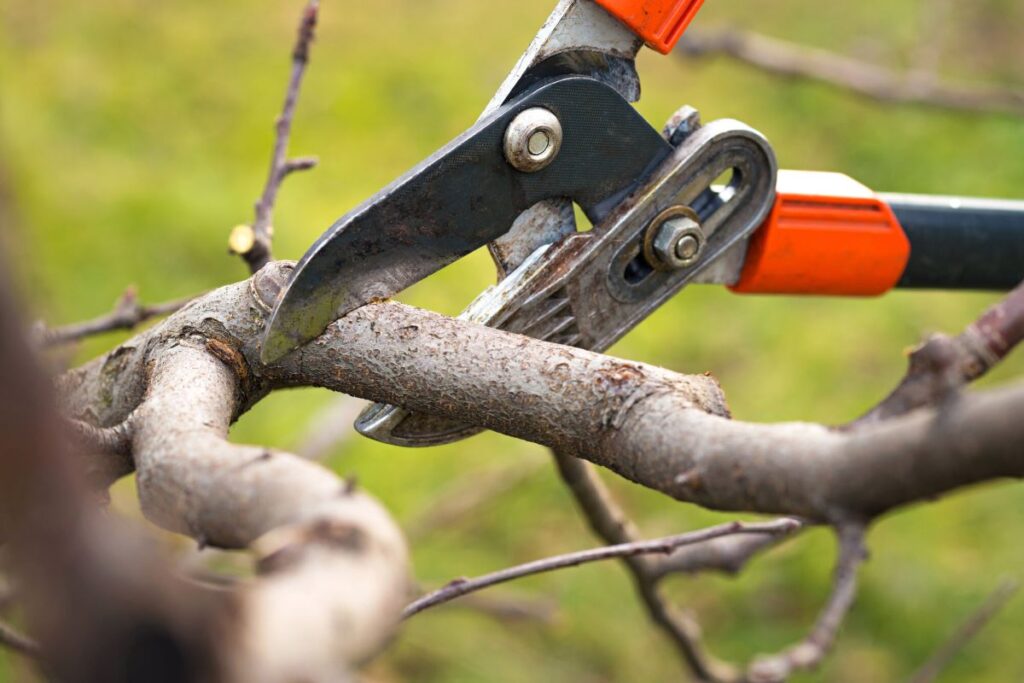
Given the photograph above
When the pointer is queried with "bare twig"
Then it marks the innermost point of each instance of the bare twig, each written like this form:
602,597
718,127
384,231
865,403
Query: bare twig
128,313
943,364
609,523
253,243
967,631
787,59
508,609
811,650
461,587
17,642
728,555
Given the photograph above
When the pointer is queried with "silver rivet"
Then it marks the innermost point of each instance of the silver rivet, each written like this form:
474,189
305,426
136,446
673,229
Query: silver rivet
674,239
686,247
538,143
532,139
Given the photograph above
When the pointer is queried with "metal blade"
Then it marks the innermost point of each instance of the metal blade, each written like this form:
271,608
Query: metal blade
462,197
579,37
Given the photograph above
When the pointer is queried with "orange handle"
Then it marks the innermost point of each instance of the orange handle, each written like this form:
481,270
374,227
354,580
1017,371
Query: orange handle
827,234
659,22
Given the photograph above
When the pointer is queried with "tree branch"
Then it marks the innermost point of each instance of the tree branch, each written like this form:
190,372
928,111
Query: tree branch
610,523
942,365
809,653
332,565
199,368
253,243
781,58
128,313
728,555
461,587
663,430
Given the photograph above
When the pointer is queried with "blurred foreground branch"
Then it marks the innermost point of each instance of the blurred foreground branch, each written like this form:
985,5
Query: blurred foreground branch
17,642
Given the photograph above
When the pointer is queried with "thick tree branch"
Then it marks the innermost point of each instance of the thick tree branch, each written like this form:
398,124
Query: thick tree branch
186,378
662,430
461,587
92,597
253,243
332,564
781,58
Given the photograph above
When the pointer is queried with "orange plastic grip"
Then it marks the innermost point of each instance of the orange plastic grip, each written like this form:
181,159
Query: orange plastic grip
659,22
826,234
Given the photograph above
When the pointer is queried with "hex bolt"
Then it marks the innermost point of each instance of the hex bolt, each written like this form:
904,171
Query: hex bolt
532,139
674,239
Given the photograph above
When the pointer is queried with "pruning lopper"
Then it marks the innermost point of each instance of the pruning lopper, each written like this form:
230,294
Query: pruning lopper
696,202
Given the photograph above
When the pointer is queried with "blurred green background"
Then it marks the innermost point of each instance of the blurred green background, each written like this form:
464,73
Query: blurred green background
134,134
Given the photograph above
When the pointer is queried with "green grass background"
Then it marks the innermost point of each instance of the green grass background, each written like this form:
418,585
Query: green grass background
135,134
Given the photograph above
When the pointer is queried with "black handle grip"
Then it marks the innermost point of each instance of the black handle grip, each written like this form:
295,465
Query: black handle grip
961,243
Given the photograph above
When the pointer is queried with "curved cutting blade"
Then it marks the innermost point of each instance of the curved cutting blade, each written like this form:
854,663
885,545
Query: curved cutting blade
462,197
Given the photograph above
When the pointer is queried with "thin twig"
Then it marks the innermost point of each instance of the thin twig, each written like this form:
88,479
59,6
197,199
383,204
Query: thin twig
253,243
782,58
509,609
461,587
17,642
128,313
611,524
943,364
809,653
728,555
995,602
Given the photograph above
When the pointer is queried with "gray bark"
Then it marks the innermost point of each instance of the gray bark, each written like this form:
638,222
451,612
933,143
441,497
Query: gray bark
663,430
